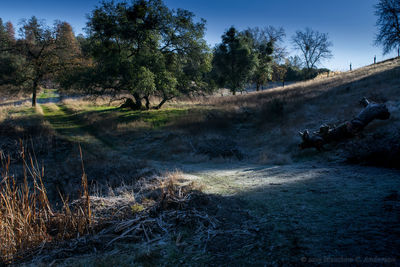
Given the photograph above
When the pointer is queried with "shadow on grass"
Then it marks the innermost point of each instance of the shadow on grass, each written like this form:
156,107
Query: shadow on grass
291,216
48,100
14,103
296,212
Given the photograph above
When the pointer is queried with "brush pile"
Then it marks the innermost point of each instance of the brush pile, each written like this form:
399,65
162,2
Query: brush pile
153,212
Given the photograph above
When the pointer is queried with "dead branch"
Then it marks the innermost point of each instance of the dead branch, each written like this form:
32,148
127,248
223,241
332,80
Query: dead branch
349,129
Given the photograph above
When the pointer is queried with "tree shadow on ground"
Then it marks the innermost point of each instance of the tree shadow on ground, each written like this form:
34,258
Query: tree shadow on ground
314,213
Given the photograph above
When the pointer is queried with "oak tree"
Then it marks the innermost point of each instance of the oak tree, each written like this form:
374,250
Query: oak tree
143,49
314,46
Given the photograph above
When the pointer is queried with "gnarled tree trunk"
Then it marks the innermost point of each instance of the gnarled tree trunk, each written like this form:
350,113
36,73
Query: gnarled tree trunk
134,105
163,101
346,130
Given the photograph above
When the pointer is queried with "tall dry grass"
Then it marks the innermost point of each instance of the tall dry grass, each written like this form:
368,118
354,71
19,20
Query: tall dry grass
362,80
27,219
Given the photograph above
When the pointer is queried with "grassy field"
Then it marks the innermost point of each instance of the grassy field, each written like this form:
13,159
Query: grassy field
244,193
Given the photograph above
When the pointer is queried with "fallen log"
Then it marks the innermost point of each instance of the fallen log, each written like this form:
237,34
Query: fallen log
349,129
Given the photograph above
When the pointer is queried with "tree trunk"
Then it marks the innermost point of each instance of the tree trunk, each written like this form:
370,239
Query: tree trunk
161,103
138,102
128,104
258,87
134,105
346,130
146,98
35,88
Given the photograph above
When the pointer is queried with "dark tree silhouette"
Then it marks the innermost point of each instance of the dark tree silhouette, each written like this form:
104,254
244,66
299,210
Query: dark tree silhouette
6,35
263,47
388,23
9,62
10,31
313,45
234,61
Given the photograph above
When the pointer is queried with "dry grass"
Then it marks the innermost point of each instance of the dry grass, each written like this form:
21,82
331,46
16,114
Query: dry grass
27,219
310,89
327,74
147,211
147,215
82,103
272,118
9,109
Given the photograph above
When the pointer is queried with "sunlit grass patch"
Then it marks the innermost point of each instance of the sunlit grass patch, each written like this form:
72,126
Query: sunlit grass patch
67,123
58,118
156,118
23,112
48,93
102,108
152,118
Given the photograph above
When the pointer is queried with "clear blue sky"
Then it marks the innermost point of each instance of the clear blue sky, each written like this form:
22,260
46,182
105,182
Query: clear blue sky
349,23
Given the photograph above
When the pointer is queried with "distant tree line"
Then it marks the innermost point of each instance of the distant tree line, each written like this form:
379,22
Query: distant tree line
150,54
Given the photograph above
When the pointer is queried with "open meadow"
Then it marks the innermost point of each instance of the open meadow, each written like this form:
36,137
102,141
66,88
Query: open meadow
211,180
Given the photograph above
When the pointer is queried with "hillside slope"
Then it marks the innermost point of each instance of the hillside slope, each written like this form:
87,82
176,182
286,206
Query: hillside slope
275,116
261,200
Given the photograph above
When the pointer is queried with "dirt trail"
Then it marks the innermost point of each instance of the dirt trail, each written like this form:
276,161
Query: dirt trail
67,124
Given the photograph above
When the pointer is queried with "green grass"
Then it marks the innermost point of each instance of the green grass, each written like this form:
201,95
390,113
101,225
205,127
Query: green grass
69,125
99,125
156,118
24,112
48,93
60,120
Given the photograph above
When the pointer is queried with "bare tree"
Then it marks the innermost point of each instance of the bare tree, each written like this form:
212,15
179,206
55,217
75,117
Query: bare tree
314,46
388,12
276,36
272,35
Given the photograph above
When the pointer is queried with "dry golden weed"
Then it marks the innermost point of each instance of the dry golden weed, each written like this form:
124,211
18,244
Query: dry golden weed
27,220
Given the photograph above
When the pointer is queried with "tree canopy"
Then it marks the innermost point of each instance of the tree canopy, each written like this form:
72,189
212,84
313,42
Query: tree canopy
388,23
8,64
38,55
234,61
263,44
144,52
143,49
